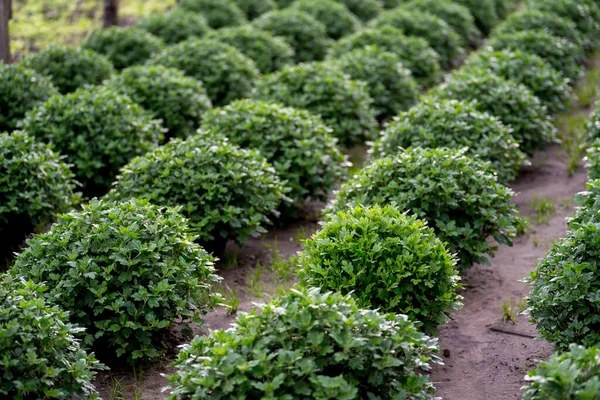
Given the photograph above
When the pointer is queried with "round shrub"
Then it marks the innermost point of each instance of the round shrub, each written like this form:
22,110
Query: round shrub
571,375
391,86
441,37
454,124
225,192
124,47
325,347
456,15
561,54
415,53
484,12
70,67
546,83
584,13
269,53
511,103
97,129
127,272
322,88
175,26
503,8
225,72
336,17
218,13
41,359
532,19
255,8
306,35
388,4
283,3
296,143
21,89
562,301
366,10
459,197
35,185
179,101
388,260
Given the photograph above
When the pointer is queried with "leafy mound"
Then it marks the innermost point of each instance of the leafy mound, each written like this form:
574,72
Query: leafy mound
179,101
484,12
225,192
255,8
388,260
97,129
546,83
415,53
269,53
124,47
322,88
391,86
454,124
296,143
457,196
336,17
309,345
175,26
561,54
441,37
218,13
366,10
70,67
306,35
512,103
40,356
21,89
127,272
225,72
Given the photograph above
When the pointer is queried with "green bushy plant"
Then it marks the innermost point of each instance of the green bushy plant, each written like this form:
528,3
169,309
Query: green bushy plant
175,26
415,53
511,103
21,89
584,13
70,67
225,192
454,124
503,8
218,13
593,127
322,88
546,83
255,8
97,129
225,72
35,185
297,144
593,159
562,301
388,4
269,53
309,345
458,196
388,260
574,374
561,54
391,86
41,358
366,10
532,19
335,16
127,272
484,12
441,37
306,35
124,47
178,100
456,15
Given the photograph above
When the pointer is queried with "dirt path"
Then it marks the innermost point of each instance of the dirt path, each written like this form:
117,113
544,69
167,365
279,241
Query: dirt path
488,365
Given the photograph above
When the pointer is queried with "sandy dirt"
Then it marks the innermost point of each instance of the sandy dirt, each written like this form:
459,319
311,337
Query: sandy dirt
483,364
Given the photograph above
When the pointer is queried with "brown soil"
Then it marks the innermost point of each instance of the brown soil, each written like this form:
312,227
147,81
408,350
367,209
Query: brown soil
485,364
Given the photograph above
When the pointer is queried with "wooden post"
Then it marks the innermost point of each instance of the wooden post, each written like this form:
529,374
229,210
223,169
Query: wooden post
5,16
111,13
